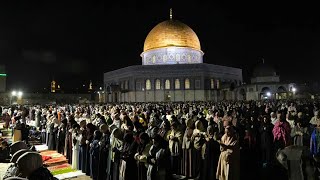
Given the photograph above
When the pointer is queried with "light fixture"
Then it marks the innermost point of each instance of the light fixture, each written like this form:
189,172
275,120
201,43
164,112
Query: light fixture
20,93
294,89
13,93
268,94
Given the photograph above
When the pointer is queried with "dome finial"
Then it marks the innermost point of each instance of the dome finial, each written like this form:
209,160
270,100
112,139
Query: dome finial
170,13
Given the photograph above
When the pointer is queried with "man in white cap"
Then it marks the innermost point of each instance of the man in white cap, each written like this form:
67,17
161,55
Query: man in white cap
273,118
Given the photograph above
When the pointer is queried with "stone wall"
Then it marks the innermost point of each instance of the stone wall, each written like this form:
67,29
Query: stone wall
172,96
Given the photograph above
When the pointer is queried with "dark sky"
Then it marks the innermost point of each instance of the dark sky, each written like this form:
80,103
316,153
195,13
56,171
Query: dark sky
77,41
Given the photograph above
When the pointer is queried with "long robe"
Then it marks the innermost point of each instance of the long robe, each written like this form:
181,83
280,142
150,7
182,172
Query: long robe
61,136
37,119
68,145
75,151
83,151
128,167
281,134
188,158
94,159
114,155
88,167
141,158
199,151
175,150
157,170
103,156
52,138
266,138
229,159
249,156
211,157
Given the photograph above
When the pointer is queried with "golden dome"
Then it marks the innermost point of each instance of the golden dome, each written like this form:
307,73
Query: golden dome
171,33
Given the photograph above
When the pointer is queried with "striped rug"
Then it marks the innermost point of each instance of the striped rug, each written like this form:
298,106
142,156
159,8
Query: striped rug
58,164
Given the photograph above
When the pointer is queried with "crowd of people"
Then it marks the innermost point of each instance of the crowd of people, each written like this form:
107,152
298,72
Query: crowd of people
163,141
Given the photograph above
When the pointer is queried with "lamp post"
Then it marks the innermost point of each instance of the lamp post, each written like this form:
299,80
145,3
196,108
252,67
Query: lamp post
99,97
294,91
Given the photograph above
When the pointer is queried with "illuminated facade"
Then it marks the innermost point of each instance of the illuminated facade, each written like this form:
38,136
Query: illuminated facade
265,84
172,70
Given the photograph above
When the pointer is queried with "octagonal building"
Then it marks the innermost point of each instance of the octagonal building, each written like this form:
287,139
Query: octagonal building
172,70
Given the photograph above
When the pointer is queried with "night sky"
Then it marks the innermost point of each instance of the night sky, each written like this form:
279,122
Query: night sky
77,41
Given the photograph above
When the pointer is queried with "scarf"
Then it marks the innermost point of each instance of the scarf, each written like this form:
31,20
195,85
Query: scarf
280,131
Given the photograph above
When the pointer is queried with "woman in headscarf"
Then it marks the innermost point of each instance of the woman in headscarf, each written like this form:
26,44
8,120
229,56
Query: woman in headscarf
142,154
229,160
281,132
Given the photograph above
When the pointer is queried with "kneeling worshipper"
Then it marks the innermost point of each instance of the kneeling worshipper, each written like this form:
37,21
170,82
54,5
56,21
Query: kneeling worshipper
14,147
12,171
30,166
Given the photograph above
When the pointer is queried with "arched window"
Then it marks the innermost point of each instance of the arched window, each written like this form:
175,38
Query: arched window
212,83
167,84
187,84
158,84
218,84
148,84
177,84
